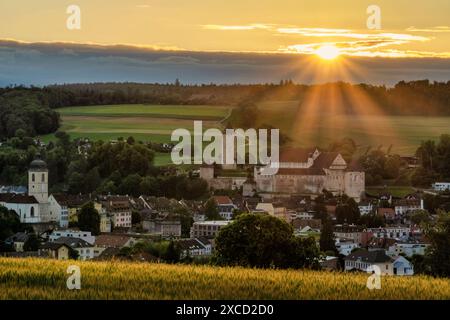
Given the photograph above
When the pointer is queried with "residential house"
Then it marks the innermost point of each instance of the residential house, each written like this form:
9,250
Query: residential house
405,206
207,229
59,208
395,232
55,250
441,186
17,241
84,249
305,215
387,213
299,224
364,260
355,233
225,206
345,247
71,233
365,207
274,209
408,249
164,228
402,267
118,207
329,263
196,247
113,241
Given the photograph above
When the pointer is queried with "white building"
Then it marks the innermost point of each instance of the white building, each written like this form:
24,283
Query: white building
68,233
402,267
305,215
58,207
408,249
197,247
441,186
396,232
367,261
84,249
208,229
225,206
405,206
365,207
346,247
26,207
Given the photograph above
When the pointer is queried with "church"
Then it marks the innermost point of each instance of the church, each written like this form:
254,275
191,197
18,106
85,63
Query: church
32,207
309,172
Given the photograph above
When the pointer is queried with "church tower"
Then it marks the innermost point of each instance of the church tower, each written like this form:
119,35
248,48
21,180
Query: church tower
38,180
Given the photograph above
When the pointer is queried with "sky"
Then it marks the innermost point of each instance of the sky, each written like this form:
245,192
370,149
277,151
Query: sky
199,41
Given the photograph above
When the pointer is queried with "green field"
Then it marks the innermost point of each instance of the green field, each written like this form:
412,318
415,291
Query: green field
156,123
404,133
144,122
395,191
46,279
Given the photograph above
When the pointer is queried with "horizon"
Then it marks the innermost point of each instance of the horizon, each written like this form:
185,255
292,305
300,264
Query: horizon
310,42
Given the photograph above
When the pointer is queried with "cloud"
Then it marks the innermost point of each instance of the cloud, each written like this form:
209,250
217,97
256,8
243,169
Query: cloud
438,29
255,26
48,63
373,44
365,48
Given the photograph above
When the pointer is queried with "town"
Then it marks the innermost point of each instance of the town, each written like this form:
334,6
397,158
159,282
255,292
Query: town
317,193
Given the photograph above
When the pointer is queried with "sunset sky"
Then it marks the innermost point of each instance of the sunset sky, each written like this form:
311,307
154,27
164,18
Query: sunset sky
409,28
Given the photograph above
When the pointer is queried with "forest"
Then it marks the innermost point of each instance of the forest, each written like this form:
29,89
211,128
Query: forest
420,97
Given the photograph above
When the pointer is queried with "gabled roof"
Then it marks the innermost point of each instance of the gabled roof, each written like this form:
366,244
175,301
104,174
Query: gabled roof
53,245
375,256
114,241
18,237
73,242
17,198
223,200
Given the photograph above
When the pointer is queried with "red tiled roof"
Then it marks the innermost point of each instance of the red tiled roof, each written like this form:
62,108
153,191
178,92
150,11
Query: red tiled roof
104,240
222,200
17,198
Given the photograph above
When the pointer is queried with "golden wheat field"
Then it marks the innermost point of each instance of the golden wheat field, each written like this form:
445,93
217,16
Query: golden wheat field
46,279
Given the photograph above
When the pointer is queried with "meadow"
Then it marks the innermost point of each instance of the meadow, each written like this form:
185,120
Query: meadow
144,122
156,123
46,279
403,133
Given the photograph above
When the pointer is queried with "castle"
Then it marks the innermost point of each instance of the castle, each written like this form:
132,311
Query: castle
301,172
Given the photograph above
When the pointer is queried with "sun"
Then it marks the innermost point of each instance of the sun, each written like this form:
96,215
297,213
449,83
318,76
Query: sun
328,52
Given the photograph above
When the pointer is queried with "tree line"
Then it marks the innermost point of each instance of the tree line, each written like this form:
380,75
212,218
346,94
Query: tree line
421,97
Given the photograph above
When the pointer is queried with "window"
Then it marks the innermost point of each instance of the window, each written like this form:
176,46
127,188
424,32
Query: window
32,177
32,212
43,177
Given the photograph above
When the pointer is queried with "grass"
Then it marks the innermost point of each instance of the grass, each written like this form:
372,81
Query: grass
144,122
404,133
156,123
395,191
46,279
152,111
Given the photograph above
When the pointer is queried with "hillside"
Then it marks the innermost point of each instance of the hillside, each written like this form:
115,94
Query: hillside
46,279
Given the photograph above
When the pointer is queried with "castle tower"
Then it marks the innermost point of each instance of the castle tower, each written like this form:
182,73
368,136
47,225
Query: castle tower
38,180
